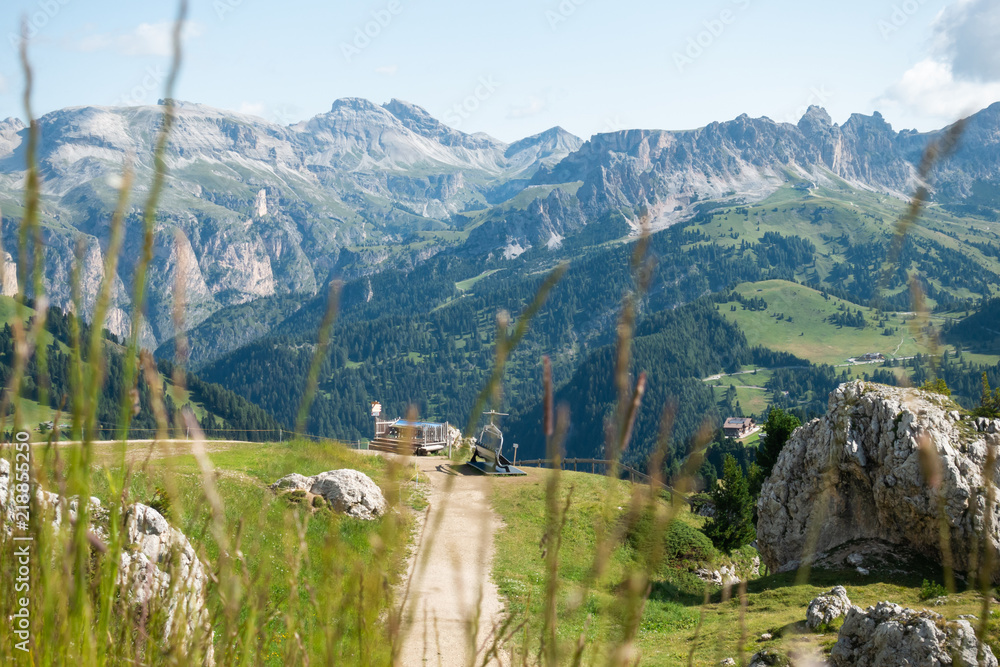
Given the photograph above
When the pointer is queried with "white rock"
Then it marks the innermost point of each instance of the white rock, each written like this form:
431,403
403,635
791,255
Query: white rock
825,608
293,482
855,559
4,482
350,492
888,634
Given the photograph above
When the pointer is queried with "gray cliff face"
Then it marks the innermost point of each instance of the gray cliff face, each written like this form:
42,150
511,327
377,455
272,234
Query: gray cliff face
856,473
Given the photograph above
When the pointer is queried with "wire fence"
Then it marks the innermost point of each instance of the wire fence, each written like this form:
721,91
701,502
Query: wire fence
596,465
108,432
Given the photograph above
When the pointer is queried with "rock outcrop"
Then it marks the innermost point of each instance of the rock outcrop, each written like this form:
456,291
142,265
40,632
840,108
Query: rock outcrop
156,554
884,463
887,635
349,492
827,607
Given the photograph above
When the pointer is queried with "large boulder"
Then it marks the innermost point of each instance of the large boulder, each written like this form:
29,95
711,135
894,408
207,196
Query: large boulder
351,492
856,474
825,608
887,635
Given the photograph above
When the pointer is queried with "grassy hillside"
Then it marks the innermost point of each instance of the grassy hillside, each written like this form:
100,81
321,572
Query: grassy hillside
669,627
840,219
806,331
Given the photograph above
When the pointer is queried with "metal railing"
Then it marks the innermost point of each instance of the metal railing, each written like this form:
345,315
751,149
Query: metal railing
633,474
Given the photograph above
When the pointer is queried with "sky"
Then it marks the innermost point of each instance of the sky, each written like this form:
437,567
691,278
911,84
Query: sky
518,67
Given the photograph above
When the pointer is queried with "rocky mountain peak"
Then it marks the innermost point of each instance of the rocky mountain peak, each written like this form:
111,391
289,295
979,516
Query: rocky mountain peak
816,115
420,121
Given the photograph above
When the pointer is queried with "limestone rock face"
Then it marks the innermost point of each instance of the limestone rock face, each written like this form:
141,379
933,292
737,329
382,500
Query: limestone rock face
887,634
350,492
856,474
824,608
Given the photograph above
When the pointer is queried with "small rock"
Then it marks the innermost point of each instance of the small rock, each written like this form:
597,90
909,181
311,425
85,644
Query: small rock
766,637
863,571
727,662
824,608
855,559
293,482
968,617
768,658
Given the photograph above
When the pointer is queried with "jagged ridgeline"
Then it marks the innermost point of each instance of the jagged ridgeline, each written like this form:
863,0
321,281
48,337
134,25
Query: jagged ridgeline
220,412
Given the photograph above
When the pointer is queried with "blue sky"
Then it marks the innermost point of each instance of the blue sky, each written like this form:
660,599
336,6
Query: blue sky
518,67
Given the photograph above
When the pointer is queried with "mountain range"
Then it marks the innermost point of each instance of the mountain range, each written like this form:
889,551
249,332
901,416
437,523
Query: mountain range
254,209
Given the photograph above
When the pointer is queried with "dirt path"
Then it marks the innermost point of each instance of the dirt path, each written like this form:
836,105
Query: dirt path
451,571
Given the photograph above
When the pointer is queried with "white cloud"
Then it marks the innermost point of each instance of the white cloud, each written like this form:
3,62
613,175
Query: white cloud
146,39
966,34
930,88
962,74
535,106
258,109
388,70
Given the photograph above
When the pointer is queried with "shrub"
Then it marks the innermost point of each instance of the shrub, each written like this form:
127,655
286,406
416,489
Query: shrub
932,589
295,497
680,542
318,502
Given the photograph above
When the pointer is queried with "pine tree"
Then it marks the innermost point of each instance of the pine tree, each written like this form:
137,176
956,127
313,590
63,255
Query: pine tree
777,429
732,526
989,402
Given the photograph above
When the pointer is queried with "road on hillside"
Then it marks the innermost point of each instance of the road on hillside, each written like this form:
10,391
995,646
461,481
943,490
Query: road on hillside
450,571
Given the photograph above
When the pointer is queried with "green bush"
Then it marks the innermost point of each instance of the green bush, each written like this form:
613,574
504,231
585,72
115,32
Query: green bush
318,501
932,589
680,542
295,497
699,500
